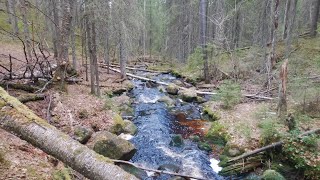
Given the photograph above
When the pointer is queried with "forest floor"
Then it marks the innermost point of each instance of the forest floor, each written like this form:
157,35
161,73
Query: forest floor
76,107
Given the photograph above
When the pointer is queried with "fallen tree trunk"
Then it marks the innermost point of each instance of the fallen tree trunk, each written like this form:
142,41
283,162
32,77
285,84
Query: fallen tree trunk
183,88
273,145
17,118
25,87
30,97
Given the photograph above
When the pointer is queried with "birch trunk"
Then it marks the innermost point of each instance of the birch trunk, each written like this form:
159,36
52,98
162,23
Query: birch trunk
17,118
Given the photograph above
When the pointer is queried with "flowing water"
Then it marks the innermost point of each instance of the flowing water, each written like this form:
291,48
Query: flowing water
157,124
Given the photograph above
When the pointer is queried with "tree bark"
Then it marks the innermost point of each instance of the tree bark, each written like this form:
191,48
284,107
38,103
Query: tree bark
122,51
203,34
17,118
286,19
89,41
291,27
13,16
95,59
315,17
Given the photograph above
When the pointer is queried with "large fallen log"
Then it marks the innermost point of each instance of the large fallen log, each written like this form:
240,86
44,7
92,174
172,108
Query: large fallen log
273,145
30,97
25,87
17,118
183,88
138,69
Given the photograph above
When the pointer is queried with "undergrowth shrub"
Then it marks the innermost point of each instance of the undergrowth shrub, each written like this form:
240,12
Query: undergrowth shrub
229,93
217,134
269,131
304,154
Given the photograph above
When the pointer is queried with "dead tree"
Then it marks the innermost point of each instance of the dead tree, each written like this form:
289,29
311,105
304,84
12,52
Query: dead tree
282,103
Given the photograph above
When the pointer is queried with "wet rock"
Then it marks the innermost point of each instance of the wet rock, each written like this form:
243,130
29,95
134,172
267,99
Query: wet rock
178,82
201,100
272,175
169,167
162,88
82,134
172,89
233,152
188,95
204,146
140,174
176,140
112,146
167,100
129,127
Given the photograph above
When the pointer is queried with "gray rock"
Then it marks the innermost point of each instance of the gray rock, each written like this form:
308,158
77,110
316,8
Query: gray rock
112,146
188,95
169,167
167,100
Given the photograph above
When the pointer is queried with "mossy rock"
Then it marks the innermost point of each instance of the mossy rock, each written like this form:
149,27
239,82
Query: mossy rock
117,125
200,100
172,89
129,85
188,95
129,127
232,150
82,134
204,146
195,138
272,175
111,146
176,140
212,115
167,100
140,174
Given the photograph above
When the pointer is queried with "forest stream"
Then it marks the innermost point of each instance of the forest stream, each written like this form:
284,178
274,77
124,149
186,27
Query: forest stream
158,124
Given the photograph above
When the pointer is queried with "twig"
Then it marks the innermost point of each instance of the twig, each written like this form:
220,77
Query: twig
157,171
48,110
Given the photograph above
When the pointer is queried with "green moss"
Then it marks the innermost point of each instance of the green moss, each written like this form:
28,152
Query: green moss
213,116
272,175
217,134
204,146
63,174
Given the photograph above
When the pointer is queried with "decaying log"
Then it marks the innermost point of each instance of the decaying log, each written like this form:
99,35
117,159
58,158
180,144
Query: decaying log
138,69
25,87
273,145
30,97
17,118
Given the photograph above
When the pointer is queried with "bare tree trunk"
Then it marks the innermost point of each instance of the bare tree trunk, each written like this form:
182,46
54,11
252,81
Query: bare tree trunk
13,16
272,56
315,17
122,51
292,21
73,43
63,57
55,32
106,50
92,76
282,103
286,19
95,59
145,29
27,40
203,34
150,30
17,118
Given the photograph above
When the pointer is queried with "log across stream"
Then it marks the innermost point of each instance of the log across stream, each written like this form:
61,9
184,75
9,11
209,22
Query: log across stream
157,124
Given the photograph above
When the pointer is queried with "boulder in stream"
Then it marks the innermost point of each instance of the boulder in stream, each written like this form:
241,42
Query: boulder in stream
129,127
122,126
172,89
188,95
169,167
167,100
111,146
